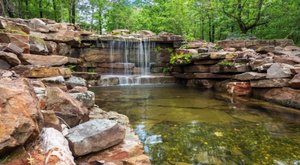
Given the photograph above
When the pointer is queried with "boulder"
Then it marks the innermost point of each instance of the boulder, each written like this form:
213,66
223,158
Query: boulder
239,88
55,80
291,60
66,107
10,58
38,25
52,148
42,72
66,36
270,83
13,26
20,117
38,46
284,96
120,32
20,40
52,47
75,81
64,49
146,33
250,76
295,82
279,70
53,60
51,120
258,63
95,135
86,98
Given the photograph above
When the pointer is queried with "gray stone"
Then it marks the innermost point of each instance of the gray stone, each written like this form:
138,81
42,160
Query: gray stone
56,80
196,69
95,135
64,49
75,81
87,98
279,70
270,83
250,76
4,65
235,68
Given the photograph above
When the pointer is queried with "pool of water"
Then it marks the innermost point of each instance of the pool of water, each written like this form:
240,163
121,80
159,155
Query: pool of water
181,126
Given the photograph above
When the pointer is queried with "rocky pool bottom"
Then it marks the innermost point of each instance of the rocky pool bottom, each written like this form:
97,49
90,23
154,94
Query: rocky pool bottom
188,126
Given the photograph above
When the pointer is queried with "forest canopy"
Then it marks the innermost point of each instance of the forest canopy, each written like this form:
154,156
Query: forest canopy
210,20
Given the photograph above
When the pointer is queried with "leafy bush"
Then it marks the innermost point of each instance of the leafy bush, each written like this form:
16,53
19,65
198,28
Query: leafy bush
180,58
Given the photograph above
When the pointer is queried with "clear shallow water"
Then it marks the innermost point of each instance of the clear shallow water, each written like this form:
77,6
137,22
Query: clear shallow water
188,126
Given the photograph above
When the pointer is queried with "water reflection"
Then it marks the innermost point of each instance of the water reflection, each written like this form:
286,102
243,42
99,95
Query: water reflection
185,126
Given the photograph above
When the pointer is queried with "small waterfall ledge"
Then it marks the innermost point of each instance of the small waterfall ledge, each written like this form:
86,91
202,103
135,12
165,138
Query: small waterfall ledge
129,60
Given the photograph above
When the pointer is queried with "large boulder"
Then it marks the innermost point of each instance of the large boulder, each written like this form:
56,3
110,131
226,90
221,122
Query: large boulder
20,116
66,107
284,96
4,65
19,40
53,60
270,83
279,70
64,49
95,135
100,55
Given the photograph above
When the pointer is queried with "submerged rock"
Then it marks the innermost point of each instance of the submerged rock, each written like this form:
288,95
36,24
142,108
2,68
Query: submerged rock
95,135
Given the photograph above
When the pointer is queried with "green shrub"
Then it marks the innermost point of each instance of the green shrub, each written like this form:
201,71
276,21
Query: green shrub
180,58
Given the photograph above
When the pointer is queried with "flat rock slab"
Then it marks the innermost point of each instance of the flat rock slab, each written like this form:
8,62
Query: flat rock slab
42,72
53,60
270,83
95,135
250,76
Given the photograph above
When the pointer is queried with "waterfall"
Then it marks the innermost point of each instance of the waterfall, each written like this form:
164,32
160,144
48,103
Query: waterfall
135,57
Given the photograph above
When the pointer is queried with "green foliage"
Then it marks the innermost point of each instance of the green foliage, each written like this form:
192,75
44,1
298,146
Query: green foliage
72,67
91,70
226,63
195,19
166,70
180,58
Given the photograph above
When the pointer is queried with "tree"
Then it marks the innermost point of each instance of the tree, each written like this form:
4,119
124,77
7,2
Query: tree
247,14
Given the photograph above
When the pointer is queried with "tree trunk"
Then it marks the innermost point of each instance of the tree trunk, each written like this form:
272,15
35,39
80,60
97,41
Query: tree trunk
73,11
202,28
27,9
41,8
54,9
209,29
100,21
2,9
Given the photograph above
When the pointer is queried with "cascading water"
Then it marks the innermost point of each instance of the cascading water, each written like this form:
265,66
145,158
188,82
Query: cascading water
135,61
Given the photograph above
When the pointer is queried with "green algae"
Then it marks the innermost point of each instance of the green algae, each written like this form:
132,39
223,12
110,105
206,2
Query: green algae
185,126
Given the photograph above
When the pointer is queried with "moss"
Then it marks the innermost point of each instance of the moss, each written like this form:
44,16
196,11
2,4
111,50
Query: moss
9,30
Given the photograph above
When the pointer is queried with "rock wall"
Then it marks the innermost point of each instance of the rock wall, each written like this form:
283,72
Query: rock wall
266,69
44,106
